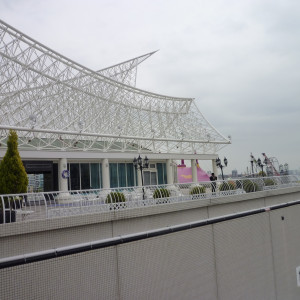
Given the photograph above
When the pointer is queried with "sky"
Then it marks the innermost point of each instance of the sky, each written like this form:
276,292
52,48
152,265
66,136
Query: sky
239,59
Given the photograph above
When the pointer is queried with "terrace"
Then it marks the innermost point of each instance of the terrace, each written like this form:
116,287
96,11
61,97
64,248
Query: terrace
39,206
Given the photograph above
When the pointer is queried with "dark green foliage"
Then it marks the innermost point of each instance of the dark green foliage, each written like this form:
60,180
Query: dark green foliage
198,190
262,173
269,182
115,197
227,186
250,186
13,177
161,193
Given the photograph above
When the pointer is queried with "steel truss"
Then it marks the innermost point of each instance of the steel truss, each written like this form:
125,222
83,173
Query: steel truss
55,103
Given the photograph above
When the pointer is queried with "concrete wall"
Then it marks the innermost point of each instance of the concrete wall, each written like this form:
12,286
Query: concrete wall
253,257
38,235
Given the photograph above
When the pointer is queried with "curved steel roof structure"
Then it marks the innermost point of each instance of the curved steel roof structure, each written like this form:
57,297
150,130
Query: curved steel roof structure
55,103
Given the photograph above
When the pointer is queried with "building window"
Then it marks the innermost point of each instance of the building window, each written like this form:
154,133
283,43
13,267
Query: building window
74,179
150,177
96,171
121,175
85,176
161,173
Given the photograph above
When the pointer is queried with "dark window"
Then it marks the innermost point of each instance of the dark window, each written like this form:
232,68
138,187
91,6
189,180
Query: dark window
74,177
85,176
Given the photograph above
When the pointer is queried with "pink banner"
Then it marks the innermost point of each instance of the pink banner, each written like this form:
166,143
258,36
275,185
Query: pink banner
184,174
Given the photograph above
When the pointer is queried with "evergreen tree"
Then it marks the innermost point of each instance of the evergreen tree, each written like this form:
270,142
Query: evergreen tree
13,177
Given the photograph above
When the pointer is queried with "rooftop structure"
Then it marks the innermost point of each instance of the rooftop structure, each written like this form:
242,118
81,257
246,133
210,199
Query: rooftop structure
59,106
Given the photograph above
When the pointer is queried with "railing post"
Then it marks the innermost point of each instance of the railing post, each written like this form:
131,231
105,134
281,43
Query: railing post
45,203
3,209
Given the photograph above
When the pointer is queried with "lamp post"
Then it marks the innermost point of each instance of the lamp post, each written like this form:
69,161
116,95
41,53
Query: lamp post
251,161
141,164
219,164
261,166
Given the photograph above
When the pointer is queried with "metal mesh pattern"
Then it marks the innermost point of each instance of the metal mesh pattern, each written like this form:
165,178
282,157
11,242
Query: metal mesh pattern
55,103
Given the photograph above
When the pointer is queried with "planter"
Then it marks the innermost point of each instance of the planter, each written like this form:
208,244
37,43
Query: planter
10,216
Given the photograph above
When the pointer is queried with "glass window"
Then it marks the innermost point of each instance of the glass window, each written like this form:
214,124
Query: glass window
85,176
113,175
130,174
153,178
165,173
146,177
150,178
74,177
95,176
122,174
161,173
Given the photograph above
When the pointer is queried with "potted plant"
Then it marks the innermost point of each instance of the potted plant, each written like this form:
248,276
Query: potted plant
227,186
250,186
160,194
269,182
197,190
116,200
13,179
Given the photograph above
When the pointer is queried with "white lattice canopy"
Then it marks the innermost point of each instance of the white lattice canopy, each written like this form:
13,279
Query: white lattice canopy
55,103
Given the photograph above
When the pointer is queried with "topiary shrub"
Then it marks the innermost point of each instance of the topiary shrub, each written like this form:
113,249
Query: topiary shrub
269,182
227,186
161,193
196,190
115,197
250,186
13,177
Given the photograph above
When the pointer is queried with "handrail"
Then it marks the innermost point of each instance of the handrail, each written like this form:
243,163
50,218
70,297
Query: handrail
43,205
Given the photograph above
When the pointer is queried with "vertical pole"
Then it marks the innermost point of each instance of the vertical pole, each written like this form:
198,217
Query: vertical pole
105,174
139,178
170,175
62,182
194,170
141,168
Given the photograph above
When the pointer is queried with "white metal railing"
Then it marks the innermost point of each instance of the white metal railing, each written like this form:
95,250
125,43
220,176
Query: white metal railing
32,206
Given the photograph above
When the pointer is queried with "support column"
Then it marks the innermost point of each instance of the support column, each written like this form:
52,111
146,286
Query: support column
214,168
139,177
170,174
194,170
62,178
64,195
105,174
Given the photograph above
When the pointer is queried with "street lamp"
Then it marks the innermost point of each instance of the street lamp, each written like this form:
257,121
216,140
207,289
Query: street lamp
219,164
139,163
261,166
251,161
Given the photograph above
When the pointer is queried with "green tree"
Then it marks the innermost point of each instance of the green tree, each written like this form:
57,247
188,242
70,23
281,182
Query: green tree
13,177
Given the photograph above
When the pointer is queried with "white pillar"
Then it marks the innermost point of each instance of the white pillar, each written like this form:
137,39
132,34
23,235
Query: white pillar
62,178
139,177
194,170
105,174
64,195
170,174
214,168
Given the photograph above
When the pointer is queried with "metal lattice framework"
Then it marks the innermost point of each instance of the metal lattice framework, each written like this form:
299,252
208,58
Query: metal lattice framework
55,103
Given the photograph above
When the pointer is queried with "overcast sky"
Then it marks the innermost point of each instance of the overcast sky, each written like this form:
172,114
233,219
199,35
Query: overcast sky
239,59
